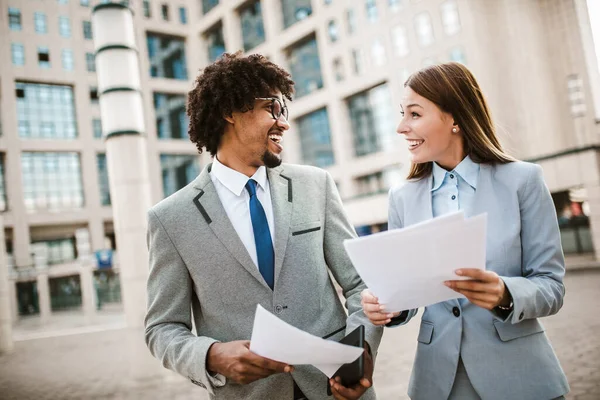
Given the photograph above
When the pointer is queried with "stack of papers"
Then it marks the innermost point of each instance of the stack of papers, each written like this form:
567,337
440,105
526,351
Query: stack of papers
275,339
406,268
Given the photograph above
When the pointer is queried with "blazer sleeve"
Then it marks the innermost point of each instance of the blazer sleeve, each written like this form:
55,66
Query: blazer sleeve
539,292
168,322
395,222
337,228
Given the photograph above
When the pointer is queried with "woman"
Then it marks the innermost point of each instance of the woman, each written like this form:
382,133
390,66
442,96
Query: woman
490,344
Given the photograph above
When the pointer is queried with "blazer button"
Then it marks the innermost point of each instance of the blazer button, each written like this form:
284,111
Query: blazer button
456,312
521,315
278,308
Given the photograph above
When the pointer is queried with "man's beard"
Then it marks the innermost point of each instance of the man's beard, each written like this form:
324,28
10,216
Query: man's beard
271,160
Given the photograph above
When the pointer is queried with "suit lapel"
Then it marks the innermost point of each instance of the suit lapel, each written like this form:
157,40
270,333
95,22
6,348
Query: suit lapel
281,198
209,205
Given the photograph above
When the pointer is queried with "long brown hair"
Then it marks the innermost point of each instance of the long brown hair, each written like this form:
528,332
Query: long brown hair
453,88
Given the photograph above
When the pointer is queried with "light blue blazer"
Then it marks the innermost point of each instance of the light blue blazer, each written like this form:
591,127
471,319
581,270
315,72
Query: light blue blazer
505,358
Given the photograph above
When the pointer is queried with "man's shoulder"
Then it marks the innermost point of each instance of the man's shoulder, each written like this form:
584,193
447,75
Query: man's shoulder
298,171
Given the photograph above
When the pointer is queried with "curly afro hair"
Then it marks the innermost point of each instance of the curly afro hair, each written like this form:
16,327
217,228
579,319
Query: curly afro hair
230,84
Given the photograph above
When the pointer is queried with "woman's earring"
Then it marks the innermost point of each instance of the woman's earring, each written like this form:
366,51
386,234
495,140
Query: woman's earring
454,130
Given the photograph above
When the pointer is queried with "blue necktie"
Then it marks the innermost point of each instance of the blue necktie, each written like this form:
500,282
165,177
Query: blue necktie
262,235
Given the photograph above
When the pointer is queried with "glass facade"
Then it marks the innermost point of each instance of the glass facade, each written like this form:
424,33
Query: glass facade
57,251
147,9
253,30
315,138
424,29
167,56
372,119
64,27
171,119
14,19
103,180
17,51
164,10
177,171
51,181
67,59
90,62
372,14
3,202
182,15
45,111
294,11
215,42
40,22
97,128
450,18
87,30
378,182
305,67
208,5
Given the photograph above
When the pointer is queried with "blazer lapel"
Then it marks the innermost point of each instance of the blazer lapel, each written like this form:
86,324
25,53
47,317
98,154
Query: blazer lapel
281,198
209,205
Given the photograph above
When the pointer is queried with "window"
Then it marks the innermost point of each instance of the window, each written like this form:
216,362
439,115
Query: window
43,57
338,69
424,29
64,27
332,31
171,119
90,62
67,59
45,111
40,22
51,181
294,11
457,54
305,67
87,30
85,3
315,139
14,19
215,42
63,1
372,14
17,51
253,31
94,95
3,203
378,53
58,251
167,56
358,61
400,40
97,128
396,5
576,95
573,212
208,5
164,10
372,120
147,8
103,180
351,21
177,171
450,18
379,182
182,15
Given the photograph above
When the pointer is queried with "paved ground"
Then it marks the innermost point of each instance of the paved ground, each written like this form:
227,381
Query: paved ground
114,364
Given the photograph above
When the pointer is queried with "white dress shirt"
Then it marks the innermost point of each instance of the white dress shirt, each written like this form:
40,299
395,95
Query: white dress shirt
231,188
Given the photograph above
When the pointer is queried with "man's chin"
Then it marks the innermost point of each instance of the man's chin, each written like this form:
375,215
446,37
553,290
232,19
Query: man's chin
271,160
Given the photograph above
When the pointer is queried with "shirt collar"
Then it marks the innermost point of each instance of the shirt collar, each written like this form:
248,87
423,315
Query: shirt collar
467,170
236,181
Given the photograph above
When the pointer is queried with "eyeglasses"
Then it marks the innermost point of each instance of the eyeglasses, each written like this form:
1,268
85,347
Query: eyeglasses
277,108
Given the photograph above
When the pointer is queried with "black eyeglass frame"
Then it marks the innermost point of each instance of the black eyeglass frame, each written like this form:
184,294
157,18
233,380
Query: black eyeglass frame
283,107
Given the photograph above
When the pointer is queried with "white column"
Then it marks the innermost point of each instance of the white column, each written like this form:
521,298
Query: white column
122,114
6,341
43,291
88,290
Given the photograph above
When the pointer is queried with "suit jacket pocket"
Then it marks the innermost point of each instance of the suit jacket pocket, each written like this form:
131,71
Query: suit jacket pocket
507,331
425,332
302,229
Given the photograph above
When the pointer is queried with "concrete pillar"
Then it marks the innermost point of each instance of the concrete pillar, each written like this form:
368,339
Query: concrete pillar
43,291
14,303
122,112
88,290
6,341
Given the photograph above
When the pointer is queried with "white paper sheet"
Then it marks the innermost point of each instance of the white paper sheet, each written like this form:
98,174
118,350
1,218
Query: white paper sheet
275,339
406,268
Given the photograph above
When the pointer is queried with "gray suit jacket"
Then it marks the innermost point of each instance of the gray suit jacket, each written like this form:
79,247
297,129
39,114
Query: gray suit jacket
506,357
199,267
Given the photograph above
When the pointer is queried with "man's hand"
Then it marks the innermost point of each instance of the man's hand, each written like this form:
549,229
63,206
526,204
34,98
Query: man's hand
373,310
235,361
485,288
351,393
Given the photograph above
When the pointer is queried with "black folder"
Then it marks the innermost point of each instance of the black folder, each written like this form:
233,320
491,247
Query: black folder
352,373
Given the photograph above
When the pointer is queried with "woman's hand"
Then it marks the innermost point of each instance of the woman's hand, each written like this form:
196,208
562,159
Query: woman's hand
485,288
373,310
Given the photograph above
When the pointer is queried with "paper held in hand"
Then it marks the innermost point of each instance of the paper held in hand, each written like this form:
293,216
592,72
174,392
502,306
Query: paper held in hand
406,268
275,339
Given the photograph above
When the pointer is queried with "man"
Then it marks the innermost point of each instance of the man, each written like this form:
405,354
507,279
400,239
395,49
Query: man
249,231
